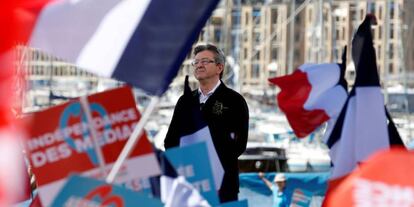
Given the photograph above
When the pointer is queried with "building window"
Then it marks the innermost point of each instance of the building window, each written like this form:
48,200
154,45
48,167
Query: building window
256,71
391,68
257,38
337,53
392,8
379,51
380,12
256,16
236,18
297,36
379,32
274,54
353,15
217,34
343,34
274,16
372,7
338,35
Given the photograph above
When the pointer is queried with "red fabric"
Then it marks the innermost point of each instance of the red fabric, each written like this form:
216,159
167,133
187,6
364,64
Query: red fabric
26,16
332,186
11,24
386,178
295,90
36,202
17,18
7,35
26,190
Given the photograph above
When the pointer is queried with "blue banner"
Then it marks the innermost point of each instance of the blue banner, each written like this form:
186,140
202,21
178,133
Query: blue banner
82,191
190,162
258,194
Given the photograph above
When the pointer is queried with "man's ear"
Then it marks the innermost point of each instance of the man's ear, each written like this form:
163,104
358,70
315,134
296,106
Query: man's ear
221,66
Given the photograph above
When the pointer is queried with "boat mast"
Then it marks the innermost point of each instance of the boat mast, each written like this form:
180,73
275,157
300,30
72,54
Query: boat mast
387,49
292,37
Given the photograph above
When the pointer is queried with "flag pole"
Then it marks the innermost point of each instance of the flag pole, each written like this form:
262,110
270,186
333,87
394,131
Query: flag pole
94,135
133,139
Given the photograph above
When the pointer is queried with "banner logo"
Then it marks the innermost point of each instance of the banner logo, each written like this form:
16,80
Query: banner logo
74,111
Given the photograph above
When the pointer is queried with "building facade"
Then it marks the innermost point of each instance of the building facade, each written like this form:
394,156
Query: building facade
268,38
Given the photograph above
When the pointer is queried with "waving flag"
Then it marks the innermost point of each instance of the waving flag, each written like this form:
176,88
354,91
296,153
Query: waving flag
142,42
361,128
176,190
311,95
182,193
172,189
168,173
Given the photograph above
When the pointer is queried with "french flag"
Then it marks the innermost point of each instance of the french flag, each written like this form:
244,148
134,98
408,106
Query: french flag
364,125
142,42
172,189
312,95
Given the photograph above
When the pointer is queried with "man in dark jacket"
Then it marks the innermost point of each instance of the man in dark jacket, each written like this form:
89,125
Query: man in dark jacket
225,112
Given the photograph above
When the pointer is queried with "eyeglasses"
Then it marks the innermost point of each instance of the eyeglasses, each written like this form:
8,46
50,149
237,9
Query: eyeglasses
203,62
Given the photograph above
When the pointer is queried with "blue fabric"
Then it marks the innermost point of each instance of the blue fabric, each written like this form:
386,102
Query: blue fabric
161,42
258,194
166,169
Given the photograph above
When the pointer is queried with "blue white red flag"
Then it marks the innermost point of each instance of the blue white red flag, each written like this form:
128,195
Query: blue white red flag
364,125
142,42
172,189
361,128
312,95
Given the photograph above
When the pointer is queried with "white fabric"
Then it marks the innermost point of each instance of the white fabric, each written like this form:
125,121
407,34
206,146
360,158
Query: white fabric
364,131
114,33
12,165
203,135
371,122
166,185
343,155
182,193
95,33
325,93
